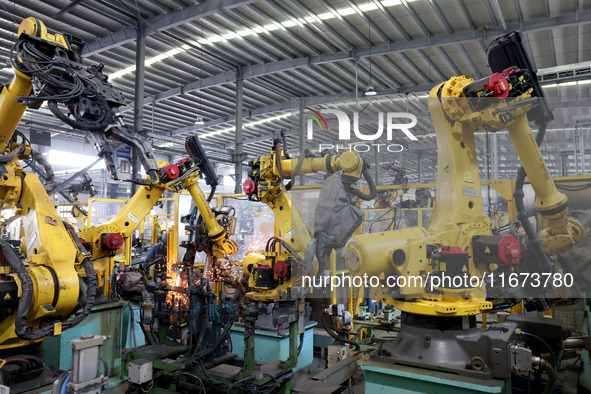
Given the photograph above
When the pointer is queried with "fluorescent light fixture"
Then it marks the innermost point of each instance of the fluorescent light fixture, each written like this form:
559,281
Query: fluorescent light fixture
246,125
368,7
282,25
346,11
571,83
370,90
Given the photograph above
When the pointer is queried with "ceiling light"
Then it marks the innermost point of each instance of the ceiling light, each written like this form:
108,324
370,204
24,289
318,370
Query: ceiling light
274,25
370,90
199,120
571,83
244,126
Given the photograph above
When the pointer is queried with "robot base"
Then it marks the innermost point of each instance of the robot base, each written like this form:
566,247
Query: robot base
456,345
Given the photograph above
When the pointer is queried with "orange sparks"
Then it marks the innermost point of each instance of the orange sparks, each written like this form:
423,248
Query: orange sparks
174,279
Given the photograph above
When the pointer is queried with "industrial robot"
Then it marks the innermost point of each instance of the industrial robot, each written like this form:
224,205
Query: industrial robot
438,328
55,278
275,293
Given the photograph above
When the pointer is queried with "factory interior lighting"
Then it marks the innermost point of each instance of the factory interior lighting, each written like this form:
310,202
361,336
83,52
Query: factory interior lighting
370,90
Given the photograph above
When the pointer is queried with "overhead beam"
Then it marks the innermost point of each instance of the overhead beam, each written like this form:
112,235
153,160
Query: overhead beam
160,137
163,22
287,105
572,72
259,70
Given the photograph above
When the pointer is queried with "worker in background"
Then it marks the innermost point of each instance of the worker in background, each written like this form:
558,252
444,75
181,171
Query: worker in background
157,254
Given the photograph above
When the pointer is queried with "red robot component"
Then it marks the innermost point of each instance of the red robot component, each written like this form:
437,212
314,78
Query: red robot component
248,186
172,171
281,269
112,241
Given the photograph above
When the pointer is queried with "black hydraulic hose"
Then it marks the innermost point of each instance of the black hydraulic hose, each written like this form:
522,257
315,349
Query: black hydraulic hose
301,345
211,193
22,329
90,280
91,287
7,158
194,359
532,238
372,187
21,325
296,170
215,346
20,320
337,337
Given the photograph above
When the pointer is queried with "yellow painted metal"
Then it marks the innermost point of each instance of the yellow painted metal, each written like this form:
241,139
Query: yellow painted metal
458,212
349,163
518,308
35,27
223,246
124,223
547,196
171,246
11,111
54,260
287,219
505,188
47,246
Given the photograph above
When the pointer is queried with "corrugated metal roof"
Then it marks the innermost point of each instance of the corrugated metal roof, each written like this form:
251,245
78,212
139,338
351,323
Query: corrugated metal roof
301,48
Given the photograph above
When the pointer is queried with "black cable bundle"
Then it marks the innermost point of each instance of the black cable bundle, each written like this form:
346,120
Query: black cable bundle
532,238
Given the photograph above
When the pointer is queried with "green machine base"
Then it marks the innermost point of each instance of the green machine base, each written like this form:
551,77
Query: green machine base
382,378
111,319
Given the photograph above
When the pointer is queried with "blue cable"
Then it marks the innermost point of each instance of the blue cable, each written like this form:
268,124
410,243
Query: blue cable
546,344
63,389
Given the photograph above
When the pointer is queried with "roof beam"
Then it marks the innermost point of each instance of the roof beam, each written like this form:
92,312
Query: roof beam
254,71
163,22
287,105
310,101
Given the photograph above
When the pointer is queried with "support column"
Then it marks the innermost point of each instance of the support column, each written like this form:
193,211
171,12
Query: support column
138,111
376,169
302,133
564,163
238,149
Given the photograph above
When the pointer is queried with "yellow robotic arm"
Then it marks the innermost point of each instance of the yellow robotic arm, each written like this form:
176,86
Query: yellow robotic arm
453,106
11,110
459,234
266,185
59,276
